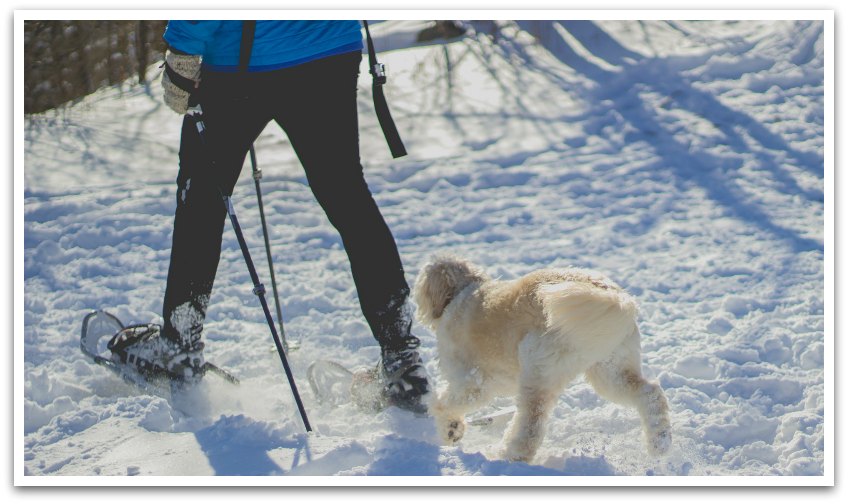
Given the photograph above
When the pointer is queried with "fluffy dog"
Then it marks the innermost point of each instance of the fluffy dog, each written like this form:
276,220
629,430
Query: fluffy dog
529,338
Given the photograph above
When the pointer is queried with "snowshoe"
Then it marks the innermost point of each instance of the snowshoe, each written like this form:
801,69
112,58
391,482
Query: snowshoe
399,379
144,348
332,384
367,390
109,343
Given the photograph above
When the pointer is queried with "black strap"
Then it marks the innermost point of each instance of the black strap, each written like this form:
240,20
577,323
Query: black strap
184,83
128,336
372,55
248,28
382,107
178,80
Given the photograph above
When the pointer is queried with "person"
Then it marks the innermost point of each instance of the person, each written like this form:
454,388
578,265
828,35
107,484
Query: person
302,75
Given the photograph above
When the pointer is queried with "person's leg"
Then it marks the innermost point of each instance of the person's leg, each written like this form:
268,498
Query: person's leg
208,166
319,115
318,111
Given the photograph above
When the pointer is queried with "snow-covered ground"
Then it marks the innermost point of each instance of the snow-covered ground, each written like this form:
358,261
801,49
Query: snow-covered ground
683,159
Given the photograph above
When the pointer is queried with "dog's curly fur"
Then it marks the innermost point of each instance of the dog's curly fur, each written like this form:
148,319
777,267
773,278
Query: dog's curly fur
529,338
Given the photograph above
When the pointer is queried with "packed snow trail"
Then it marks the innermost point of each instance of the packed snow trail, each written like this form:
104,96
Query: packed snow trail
683,159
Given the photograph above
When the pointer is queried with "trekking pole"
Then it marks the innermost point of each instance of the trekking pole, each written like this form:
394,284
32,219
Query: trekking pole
258,288
257,176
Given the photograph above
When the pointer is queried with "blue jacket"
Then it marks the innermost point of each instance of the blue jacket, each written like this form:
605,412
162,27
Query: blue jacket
277,44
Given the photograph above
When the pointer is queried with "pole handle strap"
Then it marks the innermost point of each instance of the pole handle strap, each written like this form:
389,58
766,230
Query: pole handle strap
384,116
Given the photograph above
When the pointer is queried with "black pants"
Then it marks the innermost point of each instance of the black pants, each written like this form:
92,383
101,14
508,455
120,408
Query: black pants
315,104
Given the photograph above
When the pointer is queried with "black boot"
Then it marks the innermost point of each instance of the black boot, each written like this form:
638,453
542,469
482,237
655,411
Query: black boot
404,376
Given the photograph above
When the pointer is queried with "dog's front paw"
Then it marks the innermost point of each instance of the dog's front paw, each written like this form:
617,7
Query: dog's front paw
456,429
452,430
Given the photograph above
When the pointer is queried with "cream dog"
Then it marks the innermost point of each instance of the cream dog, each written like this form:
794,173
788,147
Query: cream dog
530,337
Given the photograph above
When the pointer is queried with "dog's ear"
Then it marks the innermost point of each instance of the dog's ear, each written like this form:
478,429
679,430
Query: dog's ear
434,289
439,282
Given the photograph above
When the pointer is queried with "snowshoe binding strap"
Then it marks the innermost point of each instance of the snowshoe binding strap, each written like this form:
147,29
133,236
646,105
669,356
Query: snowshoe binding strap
176,367
129,336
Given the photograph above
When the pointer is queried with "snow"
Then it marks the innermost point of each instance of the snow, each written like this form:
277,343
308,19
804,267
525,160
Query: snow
683,159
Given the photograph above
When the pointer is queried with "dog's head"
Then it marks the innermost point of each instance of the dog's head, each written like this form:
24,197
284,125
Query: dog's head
438,284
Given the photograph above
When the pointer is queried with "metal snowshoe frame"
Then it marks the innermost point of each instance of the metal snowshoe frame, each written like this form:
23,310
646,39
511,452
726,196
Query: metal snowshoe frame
90,346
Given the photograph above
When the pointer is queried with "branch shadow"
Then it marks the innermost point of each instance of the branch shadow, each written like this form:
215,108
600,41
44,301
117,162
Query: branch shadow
663,76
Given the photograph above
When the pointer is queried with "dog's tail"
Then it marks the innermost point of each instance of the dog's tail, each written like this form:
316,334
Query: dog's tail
592,319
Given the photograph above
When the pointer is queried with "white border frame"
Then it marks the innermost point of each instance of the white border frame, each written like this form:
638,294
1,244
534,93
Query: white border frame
828,479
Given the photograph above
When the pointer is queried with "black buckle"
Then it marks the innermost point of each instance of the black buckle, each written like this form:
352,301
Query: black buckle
379,73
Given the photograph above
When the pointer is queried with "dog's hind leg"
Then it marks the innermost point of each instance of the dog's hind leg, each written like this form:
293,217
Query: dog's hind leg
619,379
